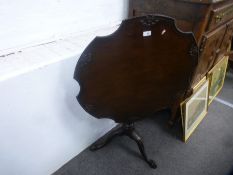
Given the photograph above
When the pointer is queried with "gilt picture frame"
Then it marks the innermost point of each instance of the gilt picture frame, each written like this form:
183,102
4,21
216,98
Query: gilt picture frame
194,109
217,77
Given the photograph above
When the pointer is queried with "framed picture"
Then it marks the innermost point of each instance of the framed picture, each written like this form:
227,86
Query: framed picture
217,76
194,109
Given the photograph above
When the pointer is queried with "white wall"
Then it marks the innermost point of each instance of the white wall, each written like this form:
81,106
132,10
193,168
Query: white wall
42,126
27,22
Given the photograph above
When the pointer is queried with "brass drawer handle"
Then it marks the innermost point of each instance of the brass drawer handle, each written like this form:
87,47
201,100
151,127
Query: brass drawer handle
219,17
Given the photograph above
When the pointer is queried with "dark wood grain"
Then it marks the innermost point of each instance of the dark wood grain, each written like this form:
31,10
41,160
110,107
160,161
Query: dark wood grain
127,77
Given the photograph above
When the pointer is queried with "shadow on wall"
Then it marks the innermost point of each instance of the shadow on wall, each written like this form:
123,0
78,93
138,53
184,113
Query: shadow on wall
79,120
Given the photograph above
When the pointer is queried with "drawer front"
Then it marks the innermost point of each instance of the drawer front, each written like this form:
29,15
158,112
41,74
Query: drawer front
226,43
209,49
211,46
220,16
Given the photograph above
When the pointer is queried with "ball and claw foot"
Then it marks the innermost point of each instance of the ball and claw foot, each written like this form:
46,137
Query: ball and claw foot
95,147
152,164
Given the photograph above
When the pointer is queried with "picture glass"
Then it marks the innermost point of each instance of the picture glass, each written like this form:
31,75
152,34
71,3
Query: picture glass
217,78
195,109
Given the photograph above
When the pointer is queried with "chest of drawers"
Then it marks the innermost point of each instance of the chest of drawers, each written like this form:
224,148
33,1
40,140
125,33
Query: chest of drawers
211,21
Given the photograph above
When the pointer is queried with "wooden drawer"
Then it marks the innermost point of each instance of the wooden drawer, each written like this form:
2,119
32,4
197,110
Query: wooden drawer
226,43
211,46
209,51
220,16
